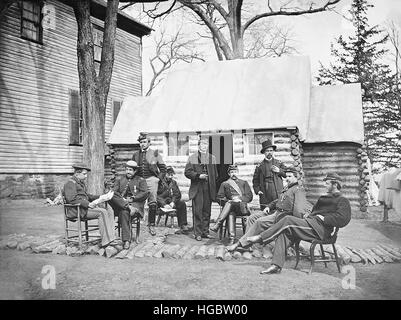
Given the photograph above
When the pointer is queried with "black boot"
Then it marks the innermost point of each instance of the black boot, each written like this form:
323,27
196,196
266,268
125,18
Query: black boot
220,219
152,218
231,228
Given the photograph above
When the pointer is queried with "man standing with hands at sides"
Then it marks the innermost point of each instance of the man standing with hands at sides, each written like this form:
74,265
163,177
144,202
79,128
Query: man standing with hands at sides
267,180
202,171
151,167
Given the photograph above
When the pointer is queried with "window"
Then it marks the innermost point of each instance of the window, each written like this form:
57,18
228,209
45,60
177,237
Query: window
177,144
31,21
98,45
116,110
75,119
253,142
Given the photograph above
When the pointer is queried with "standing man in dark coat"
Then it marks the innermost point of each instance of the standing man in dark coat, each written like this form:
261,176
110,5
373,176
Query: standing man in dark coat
234,195
202,171
151,167
331,210
169,197
267,178
130,194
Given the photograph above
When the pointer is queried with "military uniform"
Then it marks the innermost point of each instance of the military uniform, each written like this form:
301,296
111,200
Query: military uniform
336,211
129,198
292,201
167,192
74,192
152,168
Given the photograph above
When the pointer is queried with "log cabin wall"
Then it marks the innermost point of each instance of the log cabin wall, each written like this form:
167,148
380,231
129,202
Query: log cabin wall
35,79
320,158
120,154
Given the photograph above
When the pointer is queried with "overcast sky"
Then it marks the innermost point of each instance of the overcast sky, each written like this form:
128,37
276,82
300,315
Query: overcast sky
313,33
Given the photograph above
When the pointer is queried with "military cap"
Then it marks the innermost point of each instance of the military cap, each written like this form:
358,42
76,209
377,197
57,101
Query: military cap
143,136
267,144
81,165
333,176
170,169
232,167
132,164
291,169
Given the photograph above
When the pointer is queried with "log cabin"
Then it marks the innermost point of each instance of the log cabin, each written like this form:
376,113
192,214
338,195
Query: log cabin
40,123
241,103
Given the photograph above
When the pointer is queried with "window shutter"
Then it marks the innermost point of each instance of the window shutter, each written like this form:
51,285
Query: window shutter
73,115
116,110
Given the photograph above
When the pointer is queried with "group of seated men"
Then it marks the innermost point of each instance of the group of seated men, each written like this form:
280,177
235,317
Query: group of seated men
286,220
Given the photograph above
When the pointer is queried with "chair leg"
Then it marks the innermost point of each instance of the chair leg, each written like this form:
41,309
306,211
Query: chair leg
323,255
138,229
297,254
87,231
336,257
66,229
158,219
79,232
312,257
165,221
130,228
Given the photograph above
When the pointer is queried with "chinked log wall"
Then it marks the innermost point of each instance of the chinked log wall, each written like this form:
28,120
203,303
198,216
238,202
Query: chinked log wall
120,154
319,159
34,96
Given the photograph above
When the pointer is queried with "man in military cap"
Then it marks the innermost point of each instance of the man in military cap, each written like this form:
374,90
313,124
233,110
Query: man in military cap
292,201
234,195
74,192
330,211
267,178
202,171
152,168
169,197
130,194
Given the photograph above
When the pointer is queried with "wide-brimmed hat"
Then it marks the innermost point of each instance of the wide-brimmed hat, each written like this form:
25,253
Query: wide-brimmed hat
81,165
291,169
267,144
333,176
232,167
170,169
132,164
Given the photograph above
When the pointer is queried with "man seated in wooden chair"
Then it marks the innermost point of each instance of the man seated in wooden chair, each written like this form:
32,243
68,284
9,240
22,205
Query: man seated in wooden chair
169,197
331,210
291,201
130,194
75,192
234,194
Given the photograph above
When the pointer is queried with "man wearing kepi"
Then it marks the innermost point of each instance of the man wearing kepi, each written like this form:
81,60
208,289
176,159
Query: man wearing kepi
267,178
292,201
331,210
202,171
169,197
74,192
130,194
234,195
152,168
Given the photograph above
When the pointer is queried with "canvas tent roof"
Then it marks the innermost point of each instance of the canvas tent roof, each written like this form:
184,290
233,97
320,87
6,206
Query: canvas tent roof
238,95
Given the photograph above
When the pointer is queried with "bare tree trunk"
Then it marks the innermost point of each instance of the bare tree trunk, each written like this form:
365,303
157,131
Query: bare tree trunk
94,89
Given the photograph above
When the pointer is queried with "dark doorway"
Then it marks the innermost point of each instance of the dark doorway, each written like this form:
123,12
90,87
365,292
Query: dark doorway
221,146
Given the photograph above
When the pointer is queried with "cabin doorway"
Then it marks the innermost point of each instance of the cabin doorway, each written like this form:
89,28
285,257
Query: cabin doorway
221,146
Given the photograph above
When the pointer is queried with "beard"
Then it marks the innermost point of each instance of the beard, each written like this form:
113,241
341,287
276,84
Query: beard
234,177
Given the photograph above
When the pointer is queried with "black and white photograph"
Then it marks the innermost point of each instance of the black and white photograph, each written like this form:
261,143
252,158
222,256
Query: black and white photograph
200,156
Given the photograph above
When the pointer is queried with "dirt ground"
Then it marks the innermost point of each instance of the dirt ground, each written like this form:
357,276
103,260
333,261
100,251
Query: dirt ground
95,277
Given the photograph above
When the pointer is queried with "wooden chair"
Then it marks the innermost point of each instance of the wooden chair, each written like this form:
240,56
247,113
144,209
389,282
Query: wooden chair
324,259
172,215
78,230
135,223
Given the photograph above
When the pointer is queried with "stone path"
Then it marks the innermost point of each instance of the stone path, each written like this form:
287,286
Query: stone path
158,248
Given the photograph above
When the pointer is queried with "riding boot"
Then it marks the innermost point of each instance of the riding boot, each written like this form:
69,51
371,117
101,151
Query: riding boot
222,216
231,228
152,218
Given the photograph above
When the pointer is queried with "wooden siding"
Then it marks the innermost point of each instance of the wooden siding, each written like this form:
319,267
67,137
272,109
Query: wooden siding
319,159
34,91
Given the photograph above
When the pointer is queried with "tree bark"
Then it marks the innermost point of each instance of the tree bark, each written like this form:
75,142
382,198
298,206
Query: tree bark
94,89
